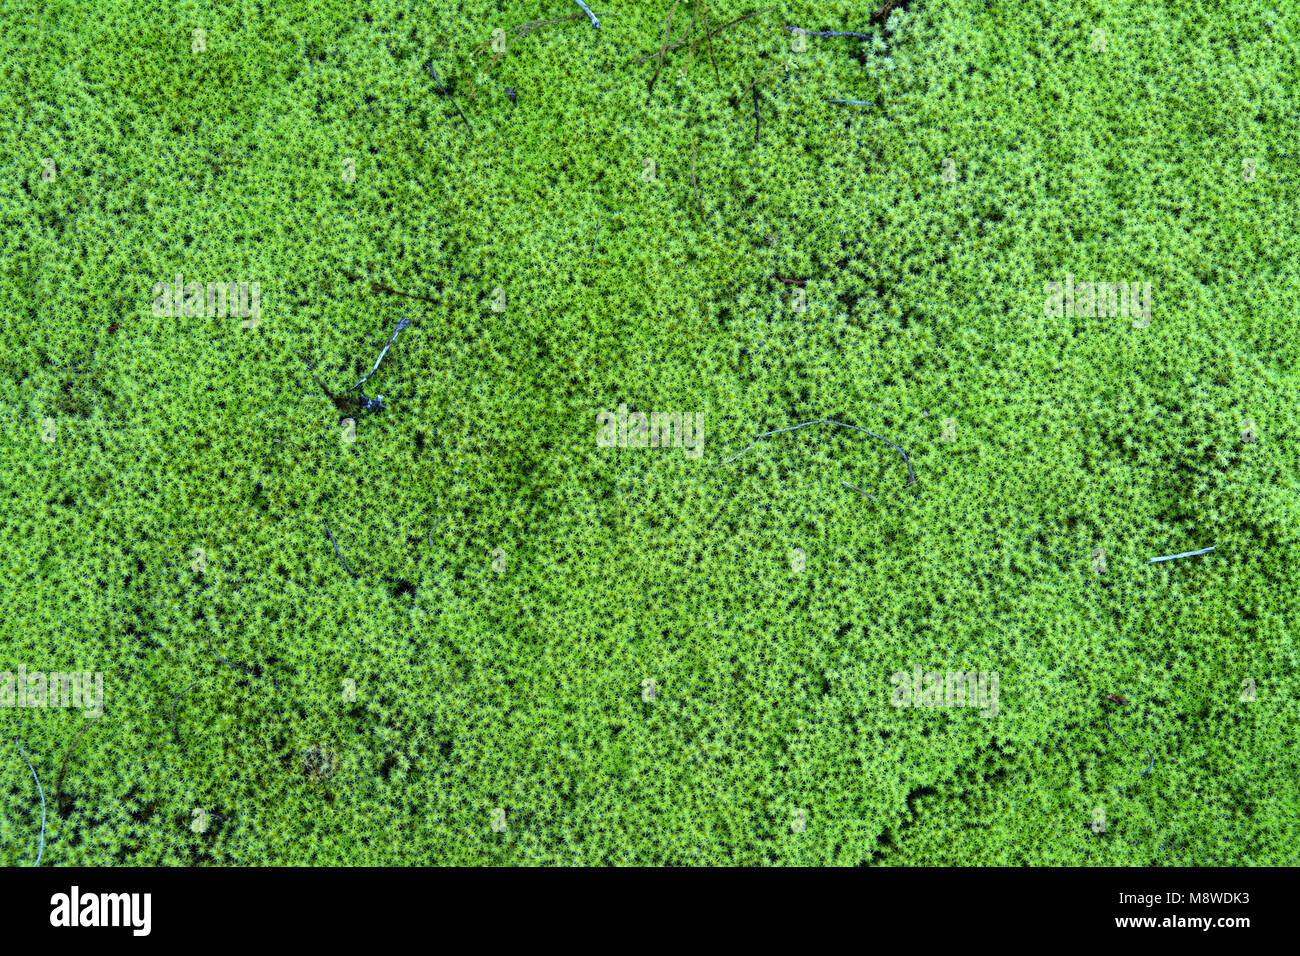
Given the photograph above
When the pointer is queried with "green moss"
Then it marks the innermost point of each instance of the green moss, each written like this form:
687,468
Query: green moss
516,584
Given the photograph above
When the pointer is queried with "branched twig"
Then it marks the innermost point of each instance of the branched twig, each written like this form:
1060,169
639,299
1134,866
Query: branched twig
274,442
731,23
690,31
708,36
526,28
667,29
881,15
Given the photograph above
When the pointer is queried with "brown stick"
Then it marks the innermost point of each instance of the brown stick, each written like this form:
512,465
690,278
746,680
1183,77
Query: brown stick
380,287
667,30
690,28
708,36
881,15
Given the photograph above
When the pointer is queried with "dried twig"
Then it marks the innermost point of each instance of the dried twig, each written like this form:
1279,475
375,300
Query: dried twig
42,792
690,30
667,29
828,33
438,80
242,667
336,549
587,10
857,489
311,370
380,287
400,325
881,15
731,23
756,120
826,421
708,36
1185,554
271,450
526,28
762,77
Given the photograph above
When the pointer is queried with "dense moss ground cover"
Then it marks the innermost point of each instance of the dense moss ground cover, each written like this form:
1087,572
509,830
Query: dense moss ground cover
514,585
